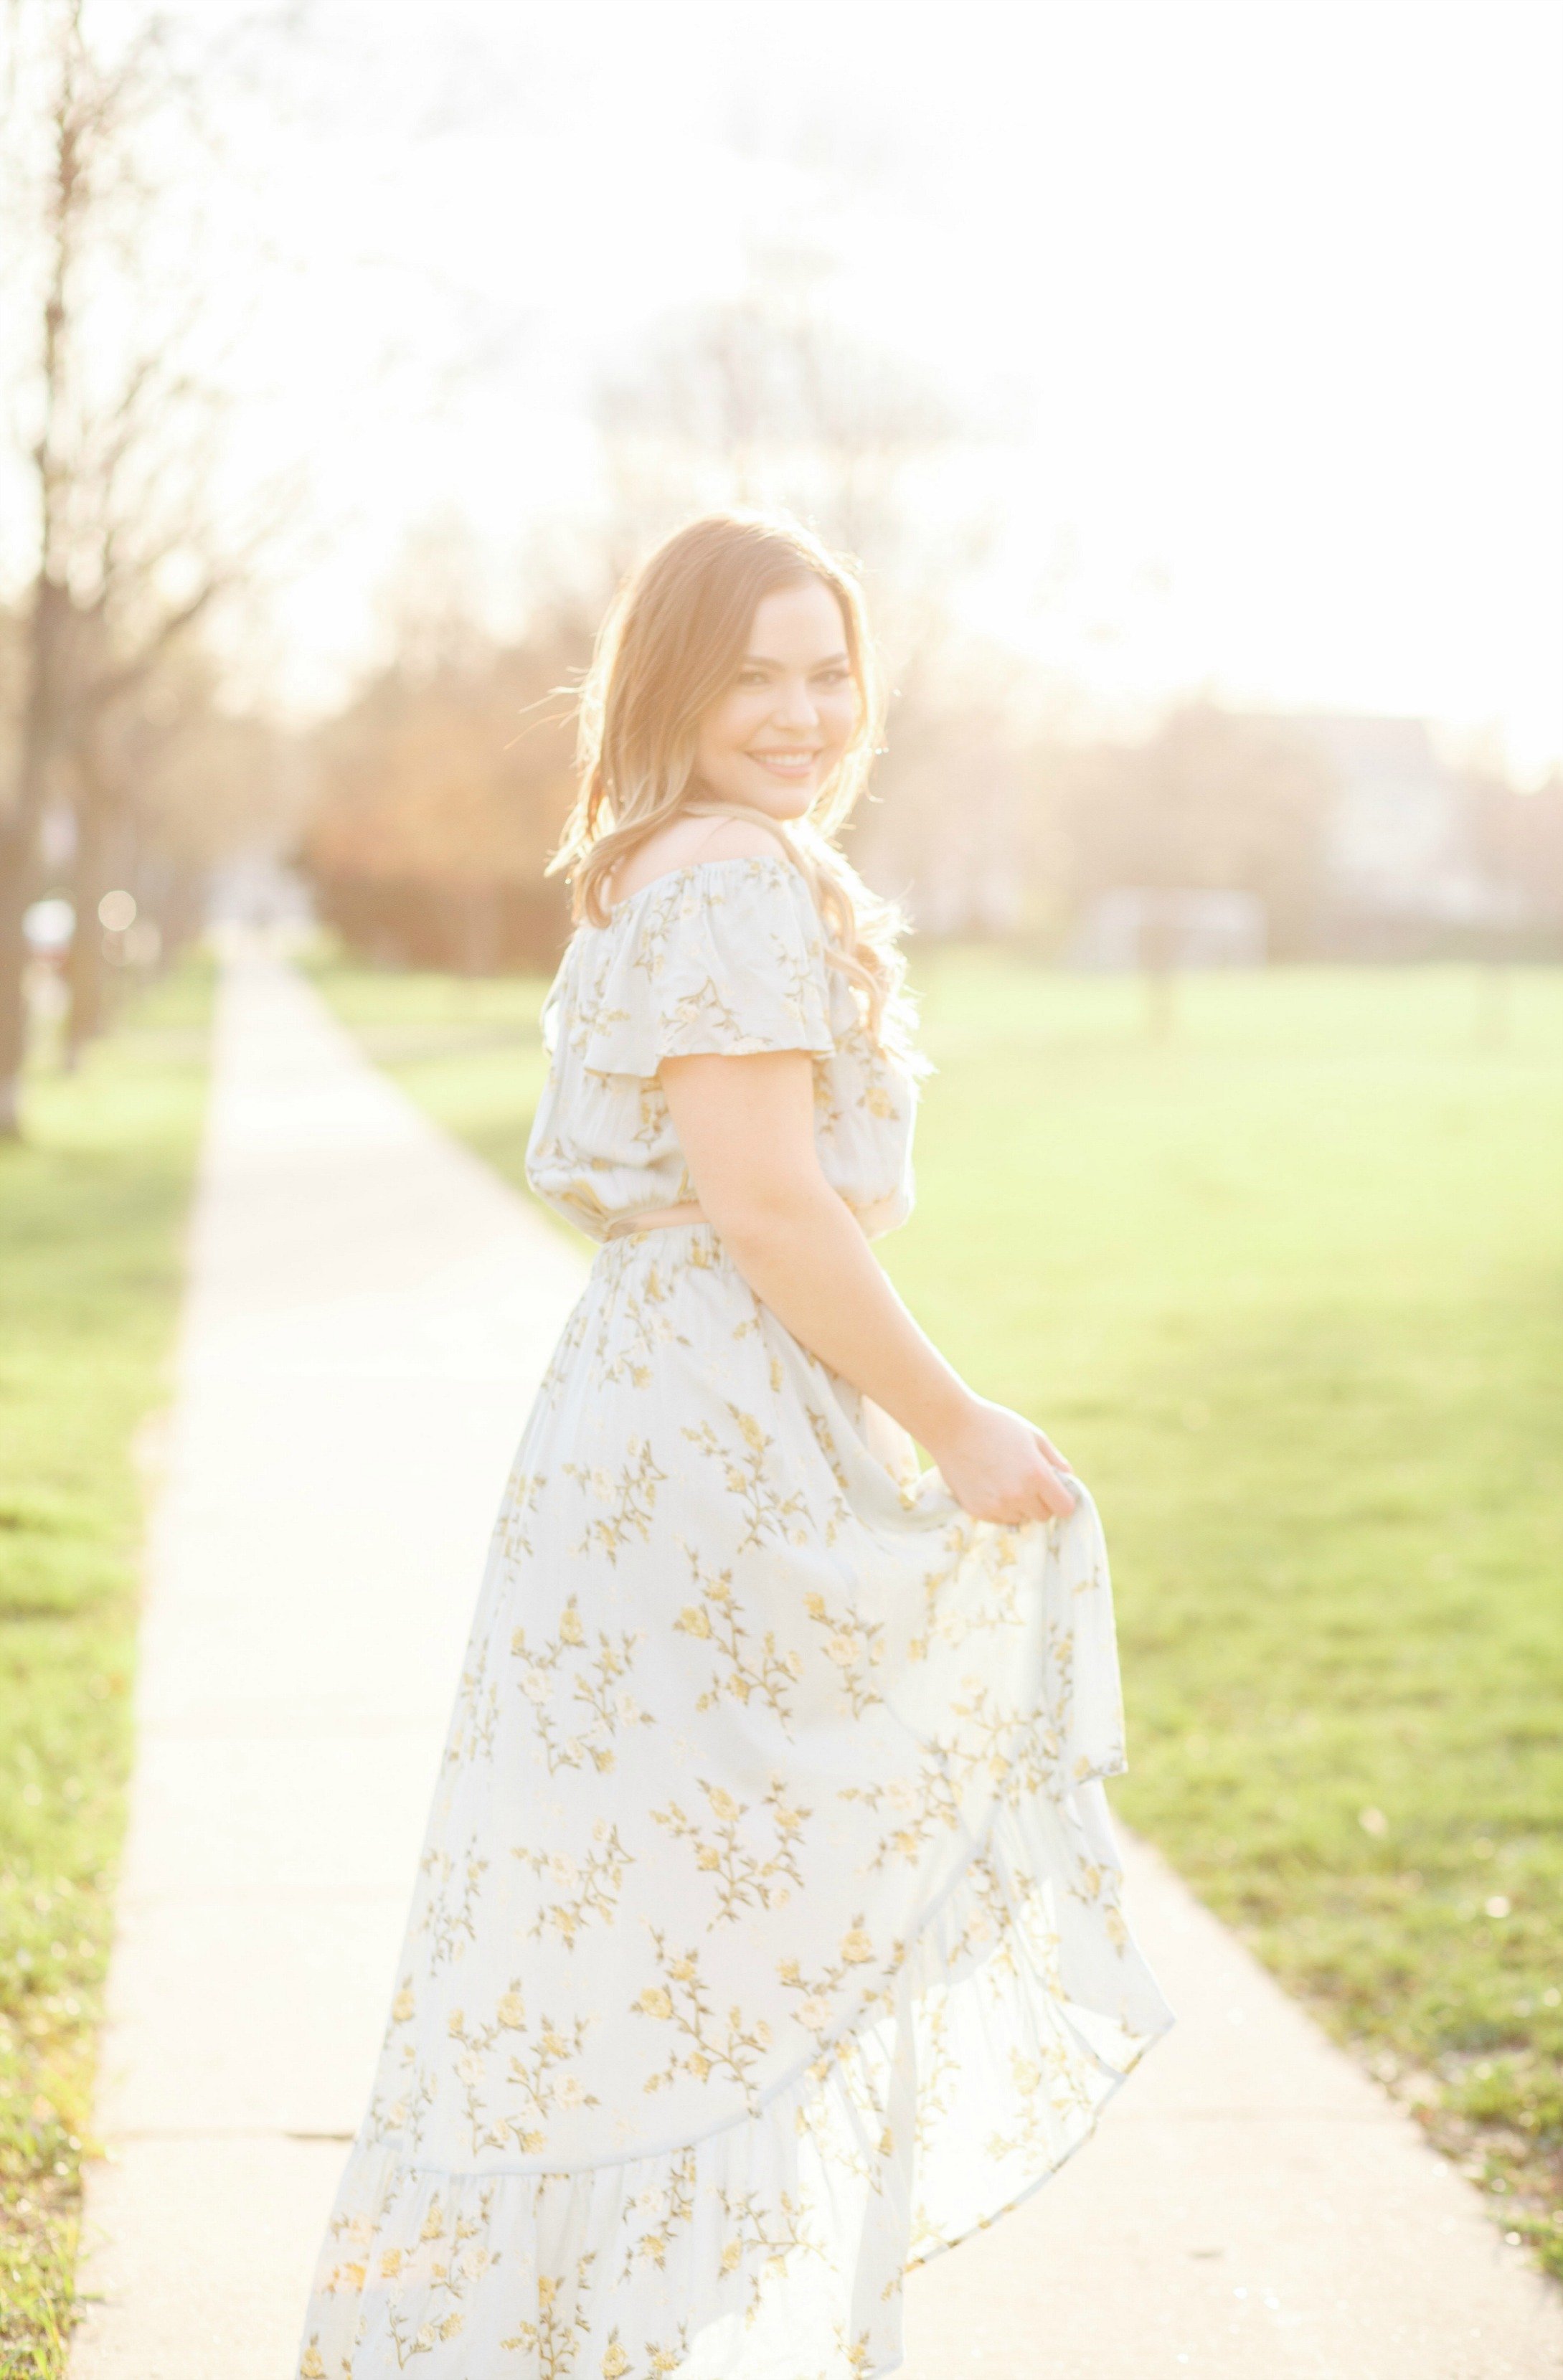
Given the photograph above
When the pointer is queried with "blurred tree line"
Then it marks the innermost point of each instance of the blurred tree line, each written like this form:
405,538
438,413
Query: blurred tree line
434,795
439,790
439,793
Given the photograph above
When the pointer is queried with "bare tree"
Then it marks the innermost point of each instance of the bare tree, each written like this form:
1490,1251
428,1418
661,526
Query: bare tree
151,567
766,398
127,551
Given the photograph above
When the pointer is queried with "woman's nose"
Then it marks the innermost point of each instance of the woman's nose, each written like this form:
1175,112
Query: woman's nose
795,705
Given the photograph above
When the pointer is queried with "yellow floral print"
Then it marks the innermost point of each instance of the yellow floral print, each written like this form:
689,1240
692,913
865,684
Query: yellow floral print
766,1937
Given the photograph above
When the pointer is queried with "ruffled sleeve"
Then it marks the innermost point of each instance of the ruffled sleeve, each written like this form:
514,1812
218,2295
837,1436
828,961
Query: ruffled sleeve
725,958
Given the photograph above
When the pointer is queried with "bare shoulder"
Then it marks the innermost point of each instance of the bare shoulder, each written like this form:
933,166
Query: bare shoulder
732,838
682,842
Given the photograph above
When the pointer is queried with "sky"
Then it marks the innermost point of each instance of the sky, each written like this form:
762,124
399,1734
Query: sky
1257,312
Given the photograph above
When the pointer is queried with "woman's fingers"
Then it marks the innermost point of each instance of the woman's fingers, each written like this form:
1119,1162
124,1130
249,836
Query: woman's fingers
1060,1461
1056,1496
1045,1498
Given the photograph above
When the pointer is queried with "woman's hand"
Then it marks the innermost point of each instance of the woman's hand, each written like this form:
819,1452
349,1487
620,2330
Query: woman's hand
998,1466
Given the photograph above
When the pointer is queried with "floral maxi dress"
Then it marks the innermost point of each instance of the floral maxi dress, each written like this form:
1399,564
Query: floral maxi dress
766,1939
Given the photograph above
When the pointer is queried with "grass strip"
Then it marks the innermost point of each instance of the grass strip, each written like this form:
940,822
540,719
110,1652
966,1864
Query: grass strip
92,1206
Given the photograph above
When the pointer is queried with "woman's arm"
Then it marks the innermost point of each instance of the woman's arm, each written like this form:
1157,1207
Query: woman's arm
747,1127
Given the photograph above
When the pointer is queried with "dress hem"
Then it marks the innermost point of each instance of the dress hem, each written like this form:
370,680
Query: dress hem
1040,2181
1026,1993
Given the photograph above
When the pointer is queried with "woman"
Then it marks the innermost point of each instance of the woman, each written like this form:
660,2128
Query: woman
768,1938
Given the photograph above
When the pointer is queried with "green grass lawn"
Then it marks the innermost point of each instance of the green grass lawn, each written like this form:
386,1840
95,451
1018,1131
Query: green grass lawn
1291,1290
92,1212
1288,1287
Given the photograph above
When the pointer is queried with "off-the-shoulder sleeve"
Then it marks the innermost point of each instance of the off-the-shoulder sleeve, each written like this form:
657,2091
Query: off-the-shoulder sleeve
724,959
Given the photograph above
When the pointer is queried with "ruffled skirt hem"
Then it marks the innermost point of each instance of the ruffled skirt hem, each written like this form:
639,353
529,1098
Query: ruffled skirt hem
774,2248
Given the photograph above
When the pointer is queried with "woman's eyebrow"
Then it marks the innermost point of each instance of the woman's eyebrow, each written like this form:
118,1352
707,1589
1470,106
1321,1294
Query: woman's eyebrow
763,661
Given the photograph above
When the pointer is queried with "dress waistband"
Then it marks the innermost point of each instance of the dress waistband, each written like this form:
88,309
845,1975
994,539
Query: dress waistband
878,1215
659,1218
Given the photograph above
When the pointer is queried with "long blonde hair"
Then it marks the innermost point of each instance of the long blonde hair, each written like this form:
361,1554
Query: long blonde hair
668,649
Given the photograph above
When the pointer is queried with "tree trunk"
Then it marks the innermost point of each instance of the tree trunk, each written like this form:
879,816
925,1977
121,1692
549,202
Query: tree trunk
18,835
84,977
16,853
1158,960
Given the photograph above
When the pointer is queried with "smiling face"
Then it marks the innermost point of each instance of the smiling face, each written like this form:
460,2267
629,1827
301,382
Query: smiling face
773,738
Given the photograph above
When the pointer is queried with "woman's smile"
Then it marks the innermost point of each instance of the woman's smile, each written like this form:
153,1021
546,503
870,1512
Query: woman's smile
787,764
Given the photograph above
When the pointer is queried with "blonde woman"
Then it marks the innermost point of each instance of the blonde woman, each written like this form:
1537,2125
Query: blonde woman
768,1938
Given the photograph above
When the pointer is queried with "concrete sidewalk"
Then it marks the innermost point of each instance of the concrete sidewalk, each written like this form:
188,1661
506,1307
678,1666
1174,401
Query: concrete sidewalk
369,1311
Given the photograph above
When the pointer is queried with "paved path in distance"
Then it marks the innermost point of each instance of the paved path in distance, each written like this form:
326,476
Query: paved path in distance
369,1311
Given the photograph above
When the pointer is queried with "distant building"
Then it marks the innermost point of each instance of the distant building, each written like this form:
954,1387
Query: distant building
1224,839
1406,870
1400,848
